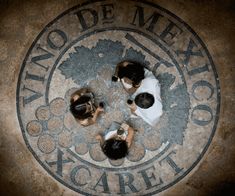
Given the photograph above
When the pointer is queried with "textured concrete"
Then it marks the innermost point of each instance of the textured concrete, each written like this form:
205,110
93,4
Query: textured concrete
21,21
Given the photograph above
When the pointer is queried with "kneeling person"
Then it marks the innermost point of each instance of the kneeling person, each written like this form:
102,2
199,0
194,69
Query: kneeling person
82,106
116,140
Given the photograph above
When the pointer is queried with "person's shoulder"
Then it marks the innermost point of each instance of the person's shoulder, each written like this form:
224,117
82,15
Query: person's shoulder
150,85
150,80
148,73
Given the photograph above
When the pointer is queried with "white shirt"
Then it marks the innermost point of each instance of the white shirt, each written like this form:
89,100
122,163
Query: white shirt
114,133
150,85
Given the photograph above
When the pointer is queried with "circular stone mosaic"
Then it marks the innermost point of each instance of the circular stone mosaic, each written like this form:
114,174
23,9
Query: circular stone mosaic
81,48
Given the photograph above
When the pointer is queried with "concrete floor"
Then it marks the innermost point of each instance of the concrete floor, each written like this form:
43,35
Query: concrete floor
21,21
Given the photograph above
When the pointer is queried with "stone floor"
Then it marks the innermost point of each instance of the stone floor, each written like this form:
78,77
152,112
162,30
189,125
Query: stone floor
45,152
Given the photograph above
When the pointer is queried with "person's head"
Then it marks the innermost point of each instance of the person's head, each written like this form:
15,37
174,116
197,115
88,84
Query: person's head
81,108
115,148
144,100
133,73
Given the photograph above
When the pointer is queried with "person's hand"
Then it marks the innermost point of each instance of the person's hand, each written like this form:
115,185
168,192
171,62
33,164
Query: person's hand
125,126
98,137
100,109
125,63
131,105
129,102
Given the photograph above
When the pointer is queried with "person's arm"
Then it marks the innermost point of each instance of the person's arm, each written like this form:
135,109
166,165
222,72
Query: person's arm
132,106
96,114
100,138
90,121
130,135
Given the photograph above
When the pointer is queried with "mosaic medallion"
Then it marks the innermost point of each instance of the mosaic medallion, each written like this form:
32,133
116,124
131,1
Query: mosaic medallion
81,48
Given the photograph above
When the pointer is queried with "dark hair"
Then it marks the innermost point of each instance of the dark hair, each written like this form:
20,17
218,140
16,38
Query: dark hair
115,149
144,100
134,71
78,108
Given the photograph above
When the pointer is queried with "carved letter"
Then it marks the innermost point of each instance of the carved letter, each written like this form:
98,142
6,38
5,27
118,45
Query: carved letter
200,122
202,83
81,13
173,165
34,96
60,162
123,184
34,77
108,15
170,32
61,39
147,178
189,52
104,183
152,19
47,55
75,172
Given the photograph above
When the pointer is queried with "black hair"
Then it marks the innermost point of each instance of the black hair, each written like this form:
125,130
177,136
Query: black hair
144,100
115,149
78,108
134,71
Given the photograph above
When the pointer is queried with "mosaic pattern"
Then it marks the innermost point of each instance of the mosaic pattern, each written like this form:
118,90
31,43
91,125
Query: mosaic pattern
81,48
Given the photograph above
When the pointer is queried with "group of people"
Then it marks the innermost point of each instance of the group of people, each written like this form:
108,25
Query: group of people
144,101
